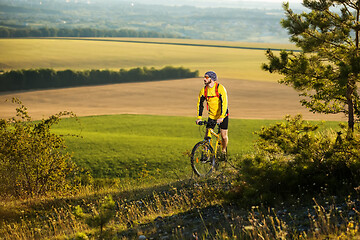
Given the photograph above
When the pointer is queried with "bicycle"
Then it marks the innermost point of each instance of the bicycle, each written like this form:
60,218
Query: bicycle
204,154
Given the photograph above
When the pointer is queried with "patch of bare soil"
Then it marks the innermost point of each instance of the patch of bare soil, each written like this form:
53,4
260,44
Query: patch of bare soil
247,100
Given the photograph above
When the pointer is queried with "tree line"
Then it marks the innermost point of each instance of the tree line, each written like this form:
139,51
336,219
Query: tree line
48,78
79,32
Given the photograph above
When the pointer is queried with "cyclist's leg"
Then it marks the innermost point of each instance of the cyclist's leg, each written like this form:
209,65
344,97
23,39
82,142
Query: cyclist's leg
224,133
224,139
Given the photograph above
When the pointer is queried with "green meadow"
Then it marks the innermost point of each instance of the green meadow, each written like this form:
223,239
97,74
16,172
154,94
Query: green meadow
229,59
145,147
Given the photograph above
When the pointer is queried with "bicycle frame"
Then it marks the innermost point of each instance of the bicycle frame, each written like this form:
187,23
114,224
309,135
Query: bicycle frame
209,138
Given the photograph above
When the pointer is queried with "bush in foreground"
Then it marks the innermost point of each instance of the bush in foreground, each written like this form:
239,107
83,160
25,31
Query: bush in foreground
293,157
32,159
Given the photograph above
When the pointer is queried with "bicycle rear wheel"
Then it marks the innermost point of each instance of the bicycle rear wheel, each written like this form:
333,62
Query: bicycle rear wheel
202,159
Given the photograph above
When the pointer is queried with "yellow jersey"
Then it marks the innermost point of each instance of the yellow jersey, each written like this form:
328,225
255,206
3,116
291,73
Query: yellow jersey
217,101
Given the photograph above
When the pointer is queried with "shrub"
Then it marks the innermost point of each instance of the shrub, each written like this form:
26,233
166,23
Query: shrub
32,159
293,157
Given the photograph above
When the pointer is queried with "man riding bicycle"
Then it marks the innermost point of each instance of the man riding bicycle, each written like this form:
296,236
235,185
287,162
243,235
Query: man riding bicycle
217,104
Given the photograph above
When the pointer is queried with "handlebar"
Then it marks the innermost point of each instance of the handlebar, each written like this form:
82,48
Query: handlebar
217,125
206,122
202,123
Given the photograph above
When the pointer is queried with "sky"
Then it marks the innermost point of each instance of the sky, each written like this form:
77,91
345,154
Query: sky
269,1
223,3
279,1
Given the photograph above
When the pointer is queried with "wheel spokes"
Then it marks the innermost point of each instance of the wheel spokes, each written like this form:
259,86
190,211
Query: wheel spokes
203,163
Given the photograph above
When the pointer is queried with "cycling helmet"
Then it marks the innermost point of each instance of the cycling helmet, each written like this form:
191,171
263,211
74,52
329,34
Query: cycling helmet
212,75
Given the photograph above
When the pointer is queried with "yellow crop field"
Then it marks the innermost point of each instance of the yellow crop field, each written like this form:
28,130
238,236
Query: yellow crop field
81,54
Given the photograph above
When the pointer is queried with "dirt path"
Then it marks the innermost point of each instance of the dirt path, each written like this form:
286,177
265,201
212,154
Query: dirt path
247,100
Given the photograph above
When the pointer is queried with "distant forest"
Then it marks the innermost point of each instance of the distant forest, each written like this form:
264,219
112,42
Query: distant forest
19,18
33,79
79,32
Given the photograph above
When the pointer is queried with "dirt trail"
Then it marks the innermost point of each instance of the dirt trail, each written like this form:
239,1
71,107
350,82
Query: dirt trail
247,100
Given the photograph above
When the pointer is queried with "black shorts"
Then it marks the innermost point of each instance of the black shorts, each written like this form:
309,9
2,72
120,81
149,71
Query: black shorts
224,125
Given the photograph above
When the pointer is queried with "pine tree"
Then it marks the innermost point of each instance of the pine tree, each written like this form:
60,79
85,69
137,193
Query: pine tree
326,70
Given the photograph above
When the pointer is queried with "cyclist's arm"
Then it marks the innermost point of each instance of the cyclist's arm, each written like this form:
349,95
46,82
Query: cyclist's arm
224,101
200,104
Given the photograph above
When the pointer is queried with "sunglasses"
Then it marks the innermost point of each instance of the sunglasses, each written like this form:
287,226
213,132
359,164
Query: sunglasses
207,77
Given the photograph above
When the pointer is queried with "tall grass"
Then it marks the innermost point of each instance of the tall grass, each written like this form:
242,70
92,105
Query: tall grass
181,211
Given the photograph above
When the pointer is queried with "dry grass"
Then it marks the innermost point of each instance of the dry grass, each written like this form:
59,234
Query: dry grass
178,212
44,221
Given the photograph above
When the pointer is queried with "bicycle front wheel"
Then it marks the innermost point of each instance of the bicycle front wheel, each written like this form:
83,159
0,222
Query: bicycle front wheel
202,159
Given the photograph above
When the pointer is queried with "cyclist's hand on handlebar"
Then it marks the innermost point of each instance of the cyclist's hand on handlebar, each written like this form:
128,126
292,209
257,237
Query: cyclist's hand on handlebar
201,122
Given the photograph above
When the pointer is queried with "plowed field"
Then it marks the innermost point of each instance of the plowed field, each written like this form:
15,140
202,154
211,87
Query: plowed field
247,100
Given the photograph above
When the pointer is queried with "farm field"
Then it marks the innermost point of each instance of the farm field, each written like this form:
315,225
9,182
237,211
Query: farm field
247,100
84,54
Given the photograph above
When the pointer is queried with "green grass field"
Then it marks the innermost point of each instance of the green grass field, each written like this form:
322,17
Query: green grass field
99,54
134,146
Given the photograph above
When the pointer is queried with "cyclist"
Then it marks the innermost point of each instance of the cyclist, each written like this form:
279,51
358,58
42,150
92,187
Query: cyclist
217,104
